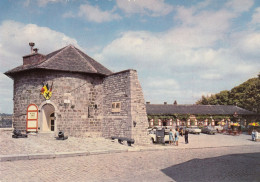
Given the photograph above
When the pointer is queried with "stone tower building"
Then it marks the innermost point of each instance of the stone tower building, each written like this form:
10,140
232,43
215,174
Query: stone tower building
71,92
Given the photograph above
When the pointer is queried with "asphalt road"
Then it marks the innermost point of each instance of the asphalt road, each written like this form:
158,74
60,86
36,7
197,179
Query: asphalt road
238,163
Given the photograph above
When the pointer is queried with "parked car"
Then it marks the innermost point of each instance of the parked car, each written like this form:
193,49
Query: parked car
153,133
209,130
194,130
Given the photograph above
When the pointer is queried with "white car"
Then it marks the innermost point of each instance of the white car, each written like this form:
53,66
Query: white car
194,130
152,134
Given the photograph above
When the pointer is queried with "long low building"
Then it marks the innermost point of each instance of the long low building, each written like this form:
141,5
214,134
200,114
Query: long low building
168,114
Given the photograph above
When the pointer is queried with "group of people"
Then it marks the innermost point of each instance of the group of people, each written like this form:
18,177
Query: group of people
174,136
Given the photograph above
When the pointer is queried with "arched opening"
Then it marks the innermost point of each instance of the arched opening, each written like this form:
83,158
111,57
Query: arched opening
47,118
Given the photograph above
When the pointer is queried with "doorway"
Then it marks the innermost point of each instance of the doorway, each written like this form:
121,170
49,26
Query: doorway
47,118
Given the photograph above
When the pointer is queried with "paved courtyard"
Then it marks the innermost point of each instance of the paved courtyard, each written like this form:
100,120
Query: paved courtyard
206,158
46,143
237,163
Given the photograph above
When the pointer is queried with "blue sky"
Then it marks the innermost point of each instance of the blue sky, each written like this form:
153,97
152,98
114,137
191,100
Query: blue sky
182,49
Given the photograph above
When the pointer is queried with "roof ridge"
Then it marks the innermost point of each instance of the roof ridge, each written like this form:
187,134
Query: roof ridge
93,61
55,55
84,58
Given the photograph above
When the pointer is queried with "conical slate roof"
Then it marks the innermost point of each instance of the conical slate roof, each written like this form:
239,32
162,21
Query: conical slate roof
69,59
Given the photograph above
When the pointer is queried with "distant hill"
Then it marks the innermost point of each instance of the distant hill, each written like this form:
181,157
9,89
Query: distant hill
246,95
5,120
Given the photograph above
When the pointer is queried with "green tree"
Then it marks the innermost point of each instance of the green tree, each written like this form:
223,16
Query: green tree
245,95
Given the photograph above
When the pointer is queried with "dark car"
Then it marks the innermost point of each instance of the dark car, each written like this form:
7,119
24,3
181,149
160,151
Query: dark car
209,130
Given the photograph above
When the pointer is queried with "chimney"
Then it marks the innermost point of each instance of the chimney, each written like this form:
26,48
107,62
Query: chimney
165,103
34,57
31,44
35,50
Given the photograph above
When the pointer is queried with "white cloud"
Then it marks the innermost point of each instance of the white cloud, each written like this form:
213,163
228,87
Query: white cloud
161,83
256,16
240,5
247,43
210,76
251,42
69,14
43,3
158,87
15,37
200,29
95,14
145,7
14,41
199,55
6,93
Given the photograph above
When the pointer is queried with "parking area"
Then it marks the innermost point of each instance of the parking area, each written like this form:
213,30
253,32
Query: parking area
218,140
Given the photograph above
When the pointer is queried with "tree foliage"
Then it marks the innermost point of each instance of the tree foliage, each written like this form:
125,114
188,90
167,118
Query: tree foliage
246,95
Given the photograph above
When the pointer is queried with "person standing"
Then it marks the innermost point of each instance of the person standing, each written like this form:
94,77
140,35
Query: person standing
170,137
177,137
253,135
186,136
256,135
173,134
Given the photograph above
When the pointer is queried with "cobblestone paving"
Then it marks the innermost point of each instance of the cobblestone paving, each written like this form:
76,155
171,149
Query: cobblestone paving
46,143
237,163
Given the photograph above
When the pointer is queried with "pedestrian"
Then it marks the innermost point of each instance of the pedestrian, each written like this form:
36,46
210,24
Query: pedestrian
253,135
177,137
256,135
186,136
181,131
170,137
173,134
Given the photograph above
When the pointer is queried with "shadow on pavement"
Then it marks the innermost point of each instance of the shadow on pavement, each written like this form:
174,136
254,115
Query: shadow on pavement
235,167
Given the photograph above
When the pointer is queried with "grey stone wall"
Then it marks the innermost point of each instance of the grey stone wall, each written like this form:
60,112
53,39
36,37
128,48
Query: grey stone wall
125,88
117,89
89,111
81,117
138,111
6,120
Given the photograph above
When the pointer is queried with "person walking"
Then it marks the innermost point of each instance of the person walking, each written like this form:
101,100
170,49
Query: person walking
170,137
186,136
177,137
